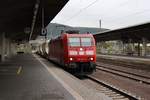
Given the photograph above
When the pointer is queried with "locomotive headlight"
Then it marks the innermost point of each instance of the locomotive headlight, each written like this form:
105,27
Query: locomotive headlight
81,49
73,52
71,59
89,52
91,58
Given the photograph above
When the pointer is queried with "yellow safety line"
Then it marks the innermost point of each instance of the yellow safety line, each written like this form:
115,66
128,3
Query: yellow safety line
19,70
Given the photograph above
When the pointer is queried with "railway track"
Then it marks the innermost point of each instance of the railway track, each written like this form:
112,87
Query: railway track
112,91
127,74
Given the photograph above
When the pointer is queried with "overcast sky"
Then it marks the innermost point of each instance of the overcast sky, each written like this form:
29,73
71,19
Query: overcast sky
114,14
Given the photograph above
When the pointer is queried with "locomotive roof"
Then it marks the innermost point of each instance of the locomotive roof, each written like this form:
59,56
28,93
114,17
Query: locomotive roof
72,32
79,35
72,35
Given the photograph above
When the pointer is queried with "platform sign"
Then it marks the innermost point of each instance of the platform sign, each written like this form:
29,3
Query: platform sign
44,32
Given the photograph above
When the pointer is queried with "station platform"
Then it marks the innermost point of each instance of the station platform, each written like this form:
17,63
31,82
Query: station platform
30,77
126,58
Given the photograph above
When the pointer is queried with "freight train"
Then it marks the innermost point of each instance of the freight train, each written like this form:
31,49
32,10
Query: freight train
73,51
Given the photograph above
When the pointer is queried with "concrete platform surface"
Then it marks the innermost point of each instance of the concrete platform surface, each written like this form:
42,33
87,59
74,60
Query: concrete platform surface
23,77
30,77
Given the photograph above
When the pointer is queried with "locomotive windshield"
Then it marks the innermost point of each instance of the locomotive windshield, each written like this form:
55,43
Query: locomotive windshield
73,41
86,41
80,41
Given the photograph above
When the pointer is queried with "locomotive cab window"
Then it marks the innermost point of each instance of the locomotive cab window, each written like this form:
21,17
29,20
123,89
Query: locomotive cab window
73,41
86,41
80,41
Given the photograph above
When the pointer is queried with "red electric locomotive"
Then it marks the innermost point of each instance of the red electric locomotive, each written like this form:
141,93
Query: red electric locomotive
74,51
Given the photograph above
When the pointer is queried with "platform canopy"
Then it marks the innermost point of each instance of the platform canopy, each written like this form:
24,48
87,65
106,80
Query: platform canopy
18,16
134,33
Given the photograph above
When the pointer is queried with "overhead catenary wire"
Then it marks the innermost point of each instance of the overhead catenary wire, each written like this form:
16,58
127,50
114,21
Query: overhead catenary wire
127,16
81,10
136,13
110,12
